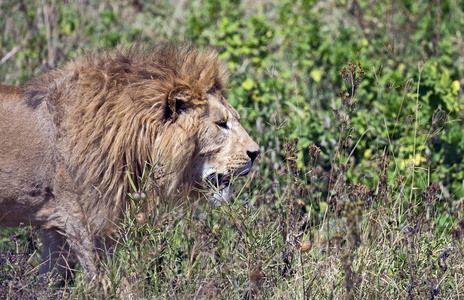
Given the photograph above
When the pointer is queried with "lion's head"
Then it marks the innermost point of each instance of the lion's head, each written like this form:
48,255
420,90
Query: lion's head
203,143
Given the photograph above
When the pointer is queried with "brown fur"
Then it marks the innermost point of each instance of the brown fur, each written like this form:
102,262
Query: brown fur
103,116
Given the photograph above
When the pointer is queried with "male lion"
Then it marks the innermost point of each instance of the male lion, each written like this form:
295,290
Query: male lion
70,138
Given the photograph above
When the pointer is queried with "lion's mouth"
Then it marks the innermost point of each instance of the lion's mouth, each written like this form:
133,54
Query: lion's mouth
217,181
221,185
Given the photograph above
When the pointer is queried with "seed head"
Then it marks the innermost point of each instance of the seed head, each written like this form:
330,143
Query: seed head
305,246
141,218
136,196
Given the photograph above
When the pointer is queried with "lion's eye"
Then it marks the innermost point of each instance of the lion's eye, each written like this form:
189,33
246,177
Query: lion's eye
222,125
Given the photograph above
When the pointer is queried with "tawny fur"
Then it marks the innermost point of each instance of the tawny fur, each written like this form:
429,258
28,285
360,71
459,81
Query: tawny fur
74,134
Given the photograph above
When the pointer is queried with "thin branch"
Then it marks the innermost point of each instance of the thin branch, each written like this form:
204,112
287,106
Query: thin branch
49,32
9,54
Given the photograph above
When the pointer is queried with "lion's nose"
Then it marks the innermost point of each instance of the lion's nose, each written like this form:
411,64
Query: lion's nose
253,155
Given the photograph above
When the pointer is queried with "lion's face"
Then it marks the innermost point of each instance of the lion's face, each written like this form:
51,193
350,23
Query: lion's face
225,148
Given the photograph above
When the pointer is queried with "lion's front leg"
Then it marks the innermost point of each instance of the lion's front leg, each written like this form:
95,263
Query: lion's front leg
71,217
81,242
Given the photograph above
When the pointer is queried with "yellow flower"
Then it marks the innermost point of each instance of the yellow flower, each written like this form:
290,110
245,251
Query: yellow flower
417,160
456,86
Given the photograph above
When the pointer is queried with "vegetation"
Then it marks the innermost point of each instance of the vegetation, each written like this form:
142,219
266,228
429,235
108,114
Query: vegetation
358,192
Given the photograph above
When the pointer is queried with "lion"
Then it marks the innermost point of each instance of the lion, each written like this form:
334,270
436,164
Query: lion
71,138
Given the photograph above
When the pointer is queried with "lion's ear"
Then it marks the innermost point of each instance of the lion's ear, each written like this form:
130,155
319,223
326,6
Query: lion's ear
178,99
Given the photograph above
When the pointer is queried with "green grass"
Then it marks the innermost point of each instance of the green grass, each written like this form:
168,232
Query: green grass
368,171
